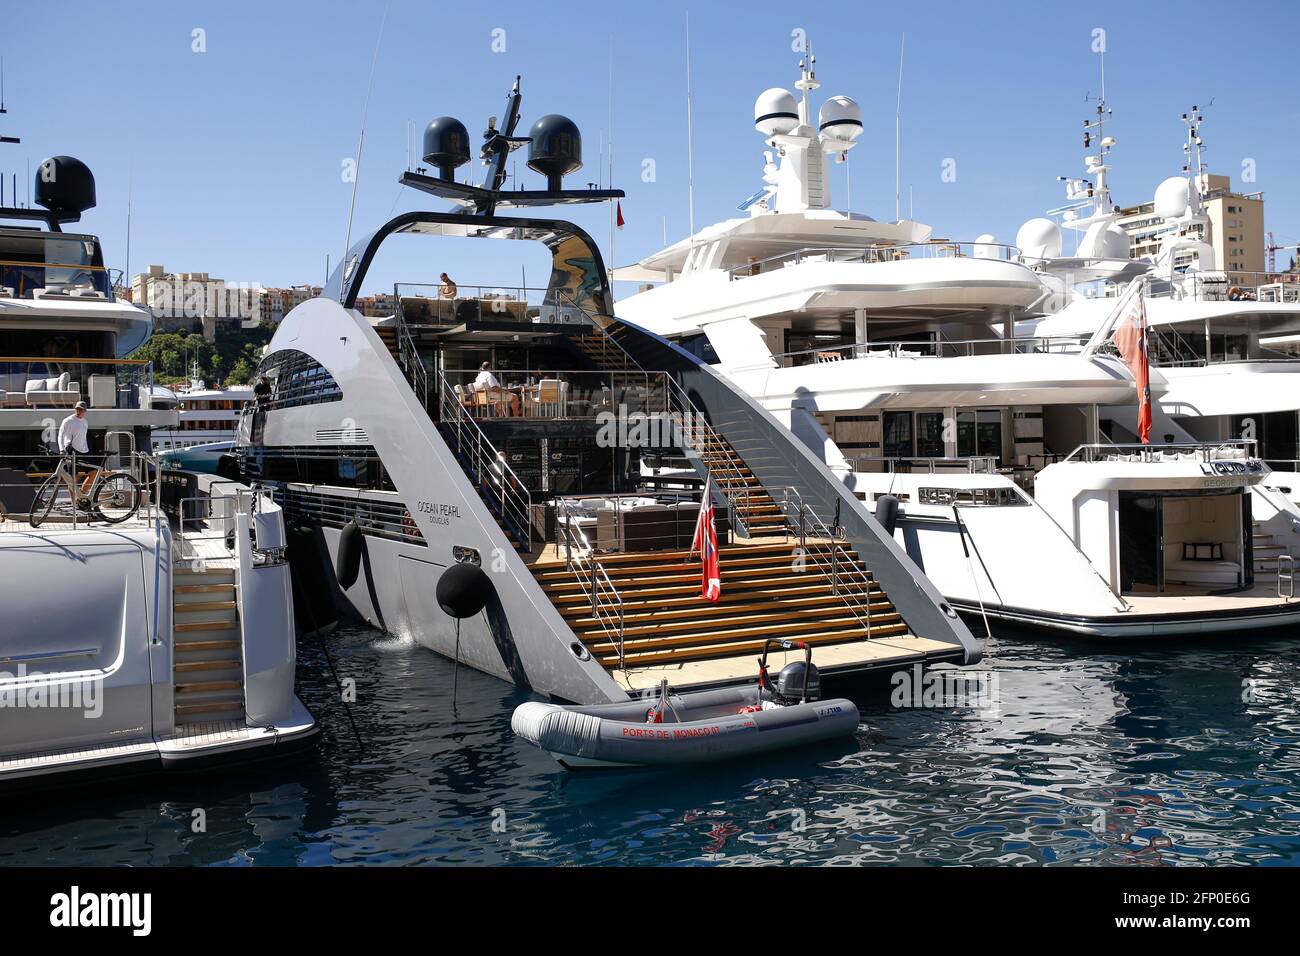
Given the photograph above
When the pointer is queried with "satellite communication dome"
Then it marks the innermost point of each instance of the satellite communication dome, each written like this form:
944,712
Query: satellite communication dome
1104,240
986,247
556,148
1039,239
1171,198
446,145
840,123
775,112
64,184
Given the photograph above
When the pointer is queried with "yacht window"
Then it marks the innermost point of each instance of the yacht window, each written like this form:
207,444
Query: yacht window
297,379
979,433
983,497
898,434
929,434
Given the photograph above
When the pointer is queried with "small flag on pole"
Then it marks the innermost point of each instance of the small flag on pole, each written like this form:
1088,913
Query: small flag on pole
706,543
618,209
1131,340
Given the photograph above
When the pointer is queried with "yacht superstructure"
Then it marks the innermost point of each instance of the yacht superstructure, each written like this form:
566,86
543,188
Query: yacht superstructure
894,356
132,639
477,473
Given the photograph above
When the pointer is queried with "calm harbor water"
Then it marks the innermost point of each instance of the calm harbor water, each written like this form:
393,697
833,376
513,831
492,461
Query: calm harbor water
1182,753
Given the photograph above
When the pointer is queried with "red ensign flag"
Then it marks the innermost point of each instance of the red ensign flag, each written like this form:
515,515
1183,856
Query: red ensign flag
706,543
1131,340
618,208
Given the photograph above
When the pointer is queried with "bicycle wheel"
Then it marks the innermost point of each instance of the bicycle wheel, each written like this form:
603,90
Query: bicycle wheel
43,500
116,497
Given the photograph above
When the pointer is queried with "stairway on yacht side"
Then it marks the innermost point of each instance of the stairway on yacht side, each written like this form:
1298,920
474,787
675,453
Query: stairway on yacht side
1266,550
208,663
769,590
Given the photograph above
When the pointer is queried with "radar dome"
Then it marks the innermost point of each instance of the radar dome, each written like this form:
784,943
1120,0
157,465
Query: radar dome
986,247
1171,198
775,112
556,148
446,145
64,185
1039,239
840,122
1104,240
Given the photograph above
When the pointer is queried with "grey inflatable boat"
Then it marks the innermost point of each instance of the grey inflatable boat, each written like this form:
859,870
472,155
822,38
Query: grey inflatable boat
667,728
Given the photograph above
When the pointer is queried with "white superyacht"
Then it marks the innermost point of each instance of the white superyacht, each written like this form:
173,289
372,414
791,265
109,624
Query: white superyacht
892,354
129,641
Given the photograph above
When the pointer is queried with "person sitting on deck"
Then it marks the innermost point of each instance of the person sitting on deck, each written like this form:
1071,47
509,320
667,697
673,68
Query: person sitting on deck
487,382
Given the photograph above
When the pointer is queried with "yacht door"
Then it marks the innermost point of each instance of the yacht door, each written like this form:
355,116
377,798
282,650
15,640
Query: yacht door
1141,542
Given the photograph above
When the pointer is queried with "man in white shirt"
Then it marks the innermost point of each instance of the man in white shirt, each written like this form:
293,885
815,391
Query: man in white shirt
487,382
73,432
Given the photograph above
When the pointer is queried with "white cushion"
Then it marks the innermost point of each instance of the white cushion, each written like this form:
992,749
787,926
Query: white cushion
35,385
63,381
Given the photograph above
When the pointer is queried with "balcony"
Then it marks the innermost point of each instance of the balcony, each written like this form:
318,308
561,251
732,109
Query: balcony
35,383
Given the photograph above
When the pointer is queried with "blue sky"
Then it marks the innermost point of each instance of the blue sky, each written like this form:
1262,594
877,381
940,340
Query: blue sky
235,155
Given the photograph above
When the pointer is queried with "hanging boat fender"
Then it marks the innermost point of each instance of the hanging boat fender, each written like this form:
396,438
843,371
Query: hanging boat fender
463,590
348,564
887,513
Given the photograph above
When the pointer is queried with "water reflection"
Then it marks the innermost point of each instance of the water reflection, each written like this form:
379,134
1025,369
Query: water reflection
1166,753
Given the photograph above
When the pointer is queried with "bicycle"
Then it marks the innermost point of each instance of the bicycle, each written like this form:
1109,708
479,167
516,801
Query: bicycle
113,497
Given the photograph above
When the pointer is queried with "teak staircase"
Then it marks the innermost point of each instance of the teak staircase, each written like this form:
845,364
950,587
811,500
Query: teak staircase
768,590
208,661
751,504
1266,550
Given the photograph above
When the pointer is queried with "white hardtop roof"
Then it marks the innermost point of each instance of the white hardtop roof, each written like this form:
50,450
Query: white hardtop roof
771,234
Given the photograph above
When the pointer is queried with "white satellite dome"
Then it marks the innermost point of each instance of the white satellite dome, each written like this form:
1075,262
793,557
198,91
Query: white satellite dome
1039,239
1172,198
1104,240
840,123
986,247
776,112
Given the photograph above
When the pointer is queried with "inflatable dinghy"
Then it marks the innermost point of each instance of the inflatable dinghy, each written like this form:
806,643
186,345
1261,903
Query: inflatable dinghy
667,728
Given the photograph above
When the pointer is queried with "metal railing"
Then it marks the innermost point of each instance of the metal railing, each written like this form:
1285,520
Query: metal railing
606,603
913,465
849,579
497,482
1238,449
21,477
932,249
933,348
1288,562
559,393
34,382
1230,286
422,303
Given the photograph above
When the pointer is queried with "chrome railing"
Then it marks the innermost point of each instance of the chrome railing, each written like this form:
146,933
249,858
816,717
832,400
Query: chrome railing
497,482
1230,286
21,477
560,393
1287,562
912,465
923,349
849,579
607,608
422,303
1241,449
932,249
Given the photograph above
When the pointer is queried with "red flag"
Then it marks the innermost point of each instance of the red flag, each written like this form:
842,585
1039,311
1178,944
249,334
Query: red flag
706,543
1131,340
618,207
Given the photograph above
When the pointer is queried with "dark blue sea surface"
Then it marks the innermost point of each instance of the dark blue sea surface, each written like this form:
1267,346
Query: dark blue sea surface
1168,753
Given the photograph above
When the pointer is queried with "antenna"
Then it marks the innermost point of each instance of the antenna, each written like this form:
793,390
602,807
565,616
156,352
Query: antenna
610,157
130,189
690,146
361,140
898,114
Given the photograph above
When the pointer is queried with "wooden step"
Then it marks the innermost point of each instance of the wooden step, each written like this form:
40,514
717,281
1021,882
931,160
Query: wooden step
211,664
772,556
189,606
670,612
688,576
209,707
730,596
207,686
214,645
708,626
187,627
723,630
744,648
203,588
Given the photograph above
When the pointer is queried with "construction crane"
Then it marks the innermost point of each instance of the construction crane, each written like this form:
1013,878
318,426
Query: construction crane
1271,248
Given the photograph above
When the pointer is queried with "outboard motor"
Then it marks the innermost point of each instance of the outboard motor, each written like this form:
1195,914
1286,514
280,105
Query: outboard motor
799,681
